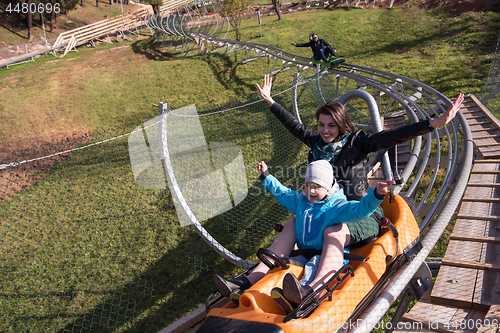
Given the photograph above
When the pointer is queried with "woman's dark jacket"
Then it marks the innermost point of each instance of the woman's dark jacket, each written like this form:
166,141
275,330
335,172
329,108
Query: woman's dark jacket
349,169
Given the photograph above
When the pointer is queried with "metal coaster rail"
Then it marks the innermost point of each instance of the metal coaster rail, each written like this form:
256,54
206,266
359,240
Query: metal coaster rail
395,94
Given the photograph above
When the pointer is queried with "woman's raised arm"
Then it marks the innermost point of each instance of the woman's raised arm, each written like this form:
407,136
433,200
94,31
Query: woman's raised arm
448,116
265,91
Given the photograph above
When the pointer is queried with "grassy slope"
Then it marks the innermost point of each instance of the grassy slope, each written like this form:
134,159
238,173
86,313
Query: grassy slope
94,90
101,89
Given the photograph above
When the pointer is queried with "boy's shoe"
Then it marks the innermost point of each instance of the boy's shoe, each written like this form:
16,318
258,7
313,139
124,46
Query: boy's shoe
226,287
235,296
280,299
293,290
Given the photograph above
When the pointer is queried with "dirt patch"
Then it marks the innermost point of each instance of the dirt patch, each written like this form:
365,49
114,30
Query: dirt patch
52,129
30,162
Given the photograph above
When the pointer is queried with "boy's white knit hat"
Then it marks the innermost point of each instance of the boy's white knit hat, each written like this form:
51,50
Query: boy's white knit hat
320,172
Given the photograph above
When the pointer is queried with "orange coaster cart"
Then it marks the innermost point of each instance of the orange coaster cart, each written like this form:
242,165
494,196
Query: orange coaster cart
258,313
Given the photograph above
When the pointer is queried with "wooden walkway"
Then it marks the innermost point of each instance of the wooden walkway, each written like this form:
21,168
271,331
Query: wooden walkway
466,293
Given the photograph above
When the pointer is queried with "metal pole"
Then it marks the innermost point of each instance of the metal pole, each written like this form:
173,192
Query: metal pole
43,26
377,123
258,16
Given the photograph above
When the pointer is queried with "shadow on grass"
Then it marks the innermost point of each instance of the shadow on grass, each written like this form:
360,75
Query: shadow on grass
155,50
225,68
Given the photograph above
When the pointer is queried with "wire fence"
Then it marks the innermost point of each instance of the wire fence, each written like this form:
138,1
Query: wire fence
489,94
90,237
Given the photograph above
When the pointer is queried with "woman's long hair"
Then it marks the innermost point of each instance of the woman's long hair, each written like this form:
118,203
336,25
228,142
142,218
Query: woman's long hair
340,116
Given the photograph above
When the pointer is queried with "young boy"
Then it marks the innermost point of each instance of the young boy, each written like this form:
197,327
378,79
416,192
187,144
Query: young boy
322,204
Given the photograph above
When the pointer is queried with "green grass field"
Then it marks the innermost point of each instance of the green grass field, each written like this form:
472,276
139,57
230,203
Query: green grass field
118,243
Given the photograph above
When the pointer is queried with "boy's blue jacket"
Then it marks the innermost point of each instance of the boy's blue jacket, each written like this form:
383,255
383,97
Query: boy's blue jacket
312,218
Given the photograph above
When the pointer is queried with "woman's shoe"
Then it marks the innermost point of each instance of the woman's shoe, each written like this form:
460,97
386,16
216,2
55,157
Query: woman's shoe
227,287
235,296
293,290
280,299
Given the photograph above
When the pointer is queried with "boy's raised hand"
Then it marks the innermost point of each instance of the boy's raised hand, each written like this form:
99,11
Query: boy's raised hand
262,167
384,187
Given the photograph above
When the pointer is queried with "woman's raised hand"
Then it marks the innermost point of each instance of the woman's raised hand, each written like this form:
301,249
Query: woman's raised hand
448,116
265,91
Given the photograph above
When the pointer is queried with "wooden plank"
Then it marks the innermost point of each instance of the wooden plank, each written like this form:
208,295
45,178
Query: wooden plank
487,289
471,228
463,251
488,282
490,154
481,194
485,172
486,137
473,265
427,324
483,185
453,287
441,318
483,239
473,217
486,161
478,115
491,144
492,200
475,122
482,127
491,321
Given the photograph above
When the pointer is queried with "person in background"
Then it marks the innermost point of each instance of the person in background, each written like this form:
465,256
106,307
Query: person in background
320,47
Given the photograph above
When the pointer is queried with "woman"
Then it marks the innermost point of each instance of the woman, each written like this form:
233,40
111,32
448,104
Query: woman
346,149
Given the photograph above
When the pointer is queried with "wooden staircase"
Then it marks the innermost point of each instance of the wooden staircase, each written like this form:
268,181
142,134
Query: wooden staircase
466,294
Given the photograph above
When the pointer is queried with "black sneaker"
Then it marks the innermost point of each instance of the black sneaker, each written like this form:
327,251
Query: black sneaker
280,299
226,287
293,290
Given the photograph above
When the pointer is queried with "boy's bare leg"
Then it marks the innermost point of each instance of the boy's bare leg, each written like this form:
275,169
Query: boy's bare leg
282,247
335,238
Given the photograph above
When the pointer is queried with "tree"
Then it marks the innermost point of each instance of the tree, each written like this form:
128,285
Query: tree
233,10
29,21
156,6
277,5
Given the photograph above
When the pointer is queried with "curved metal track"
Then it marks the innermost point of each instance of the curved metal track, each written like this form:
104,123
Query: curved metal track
390,93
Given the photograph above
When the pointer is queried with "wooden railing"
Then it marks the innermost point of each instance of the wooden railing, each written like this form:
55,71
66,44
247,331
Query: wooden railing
115,25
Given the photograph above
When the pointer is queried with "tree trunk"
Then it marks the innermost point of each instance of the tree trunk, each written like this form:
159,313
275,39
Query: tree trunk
156,9
83,3
52,21
237,31
97,3
29,21
111,2
276,4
